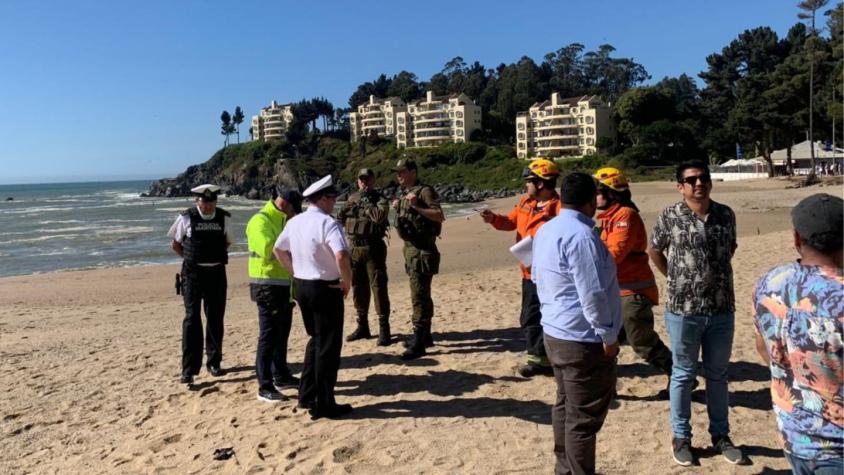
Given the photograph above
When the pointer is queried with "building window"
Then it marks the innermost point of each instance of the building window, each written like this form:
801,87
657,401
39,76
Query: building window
401,136
459,123
521,126
401,120
589,119
533,115
582,130
590,130
459,131
521,136
582,140
590,141
459,115
521,145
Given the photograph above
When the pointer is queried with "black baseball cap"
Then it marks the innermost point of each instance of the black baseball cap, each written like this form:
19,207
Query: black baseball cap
820,217
290,196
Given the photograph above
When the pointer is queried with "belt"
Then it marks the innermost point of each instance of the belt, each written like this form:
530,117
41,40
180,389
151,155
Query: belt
316,282
642,284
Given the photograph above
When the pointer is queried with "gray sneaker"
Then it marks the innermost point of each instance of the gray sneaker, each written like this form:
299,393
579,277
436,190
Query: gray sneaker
682,452
724,446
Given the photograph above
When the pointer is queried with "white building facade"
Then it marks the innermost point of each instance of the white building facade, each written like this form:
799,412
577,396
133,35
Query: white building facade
560,127
436,120
272,122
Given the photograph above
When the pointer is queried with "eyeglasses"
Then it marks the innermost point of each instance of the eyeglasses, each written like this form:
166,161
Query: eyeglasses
692,180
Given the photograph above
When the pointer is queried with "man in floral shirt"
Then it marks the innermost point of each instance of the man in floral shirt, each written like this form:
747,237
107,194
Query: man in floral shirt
799,310
692,244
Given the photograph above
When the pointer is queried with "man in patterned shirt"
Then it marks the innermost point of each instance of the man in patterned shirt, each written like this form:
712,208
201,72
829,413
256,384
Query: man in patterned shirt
692,244
799,311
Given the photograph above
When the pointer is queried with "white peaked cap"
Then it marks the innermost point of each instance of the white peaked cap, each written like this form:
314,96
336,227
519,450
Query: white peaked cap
201,189
318,186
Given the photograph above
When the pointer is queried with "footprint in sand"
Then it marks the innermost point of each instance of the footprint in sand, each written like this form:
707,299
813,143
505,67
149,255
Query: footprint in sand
344,454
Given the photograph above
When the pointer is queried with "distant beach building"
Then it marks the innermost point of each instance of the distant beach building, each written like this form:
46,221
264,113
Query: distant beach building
436,120
567,127
272,122
376,117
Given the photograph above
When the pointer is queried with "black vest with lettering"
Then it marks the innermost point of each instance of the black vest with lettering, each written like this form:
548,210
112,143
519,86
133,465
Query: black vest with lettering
207,241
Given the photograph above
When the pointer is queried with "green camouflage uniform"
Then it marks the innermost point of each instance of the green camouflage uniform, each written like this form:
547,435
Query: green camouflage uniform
421,257
364,217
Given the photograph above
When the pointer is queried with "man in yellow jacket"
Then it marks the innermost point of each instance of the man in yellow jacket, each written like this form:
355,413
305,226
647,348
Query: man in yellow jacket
269,285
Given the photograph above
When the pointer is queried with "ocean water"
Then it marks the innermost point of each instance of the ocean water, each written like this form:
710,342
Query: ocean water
64,226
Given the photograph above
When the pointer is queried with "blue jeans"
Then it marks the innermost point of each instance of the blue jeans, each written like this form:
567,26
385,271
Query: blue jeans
815,467
691,334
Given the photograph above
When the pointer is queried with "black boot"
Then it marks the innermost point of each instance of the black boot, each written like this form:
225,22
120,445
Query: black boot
428,338
362,331
384,331
417,346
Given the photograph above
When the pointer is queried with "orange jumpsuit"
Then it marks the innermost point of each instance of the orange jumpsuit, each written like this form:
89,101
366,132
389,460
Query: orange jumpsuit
526,220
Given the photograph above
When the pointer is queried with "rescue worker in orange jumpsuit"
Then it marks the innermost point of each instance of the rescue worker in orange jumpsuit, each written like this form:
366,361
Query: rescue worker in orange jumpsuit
622,230
539,205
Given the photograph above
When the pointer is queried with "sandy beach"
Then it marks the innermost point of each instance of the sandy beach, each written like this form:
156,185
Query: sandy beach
91,363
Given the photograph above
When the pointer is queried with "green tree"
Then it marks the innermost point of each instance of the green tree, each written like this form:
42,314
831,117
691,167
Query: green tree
237,119
227,127
809,12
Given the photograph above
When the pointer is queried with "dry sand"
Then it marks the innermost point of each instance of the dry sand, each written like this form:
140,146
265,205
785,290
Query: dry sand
90,362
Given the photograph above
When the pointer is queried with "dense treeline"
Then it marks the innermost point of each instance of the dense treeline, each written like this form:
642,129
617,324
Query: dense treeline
755,93
510,88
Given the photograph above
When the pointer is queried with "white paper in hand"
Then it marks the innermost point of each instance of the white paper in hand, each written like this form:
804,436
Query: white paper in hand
523,250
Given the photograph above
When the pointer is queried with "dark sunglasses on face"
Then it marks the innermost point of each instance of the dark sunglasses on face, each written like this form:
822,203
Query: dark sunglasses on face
692,180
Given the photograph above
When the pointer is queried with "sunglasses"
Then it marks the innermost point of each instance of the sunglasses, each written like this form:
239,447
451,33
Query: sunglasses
692,180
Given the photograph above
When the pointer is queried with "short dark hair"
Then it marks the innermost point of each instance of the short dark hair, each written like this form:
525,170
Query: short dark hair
578,189
690,164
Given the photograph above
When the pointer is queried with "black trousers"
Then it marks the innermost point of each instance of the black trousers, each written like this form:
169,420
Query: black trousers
322,314
530,321
585,387
275,316
202,287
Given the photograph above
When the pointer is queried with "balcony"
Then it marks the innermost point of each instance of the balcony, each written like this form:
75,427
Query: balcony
372,119
556,137
431,118
433,126
373,127
561,147
372,112
432,110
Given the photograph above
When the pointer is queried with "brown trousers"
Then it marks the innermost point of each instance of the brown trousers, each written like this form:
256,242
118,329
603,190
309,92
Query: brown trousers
585,387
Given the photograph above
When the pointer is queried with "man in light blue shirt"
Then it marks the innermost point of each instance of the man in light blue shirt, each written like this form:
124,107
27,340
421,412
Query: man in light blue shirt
579,300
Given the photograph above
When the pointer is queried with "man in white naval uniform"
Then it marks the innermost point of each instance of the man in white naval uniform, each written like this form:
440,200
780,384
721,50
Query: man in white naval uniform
312,247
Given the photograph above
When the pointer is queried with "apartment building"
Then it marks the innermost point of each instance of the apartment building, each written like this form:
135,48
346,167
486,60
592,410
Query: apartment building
436,120
376,117
272,122
563,127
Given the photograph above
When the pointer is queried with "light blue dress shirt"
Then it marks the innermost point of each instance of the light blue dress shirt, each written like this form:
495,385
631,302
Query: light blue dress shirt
576,281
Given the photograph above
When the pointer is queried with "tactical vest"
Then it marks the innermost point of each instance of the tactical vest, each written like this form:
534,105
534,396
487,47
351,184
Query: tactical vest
207,241
358,216
412,226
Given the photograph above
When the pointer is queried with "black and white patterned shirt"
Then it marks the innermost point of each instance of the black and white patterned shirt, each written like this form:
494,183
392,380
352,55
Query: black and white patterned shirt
700,276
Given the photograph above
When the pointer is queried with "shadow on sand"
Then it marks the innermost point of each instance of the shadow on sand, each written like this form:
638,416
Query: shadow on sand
471,408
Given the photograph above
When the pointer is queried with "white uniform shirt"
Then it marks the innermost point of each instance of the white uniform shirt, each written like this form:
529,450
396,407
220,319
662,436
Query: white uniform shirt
312,239
181,229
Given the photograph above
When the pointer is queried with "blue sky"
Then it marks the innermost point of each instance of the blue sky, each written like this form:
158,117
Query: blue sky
97,90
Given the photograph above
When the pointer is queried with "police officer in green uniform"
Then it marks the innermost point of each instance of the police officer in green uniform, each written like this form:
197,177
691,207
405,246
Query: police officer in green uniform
419,220
364,218
269,285
201,236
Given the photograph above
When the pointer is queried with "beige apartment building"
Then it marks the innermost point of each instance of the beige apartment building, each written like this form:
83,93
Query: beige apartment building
376,118
563,127
436,120
272,122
